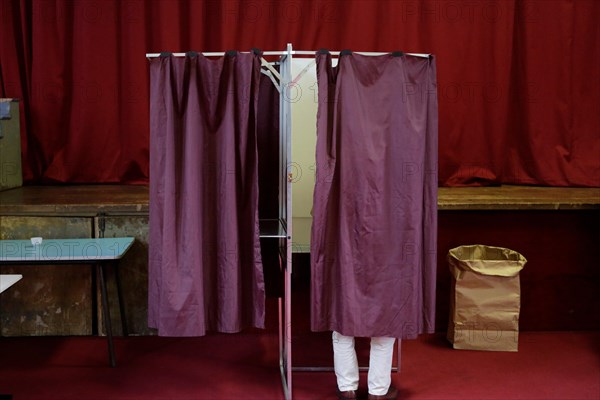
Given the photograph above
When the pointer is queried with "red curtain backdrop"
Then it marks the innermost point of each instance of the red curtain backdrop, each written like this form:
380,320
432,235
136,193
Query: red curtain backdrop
517,80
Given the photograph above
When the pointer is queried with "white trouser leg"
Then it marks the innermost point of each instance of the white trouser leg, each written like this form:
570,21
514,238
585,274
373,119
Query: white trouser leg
345,362
380,365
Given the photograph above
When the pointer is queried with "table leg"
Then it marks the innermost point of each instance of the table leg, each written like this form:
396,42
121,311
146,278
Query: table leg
120,299
94,299
106,315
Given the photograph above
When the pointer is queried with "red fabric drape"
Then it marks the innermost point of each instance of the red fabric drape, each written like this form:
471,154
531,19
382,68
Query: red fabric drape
375,185
517,80
205,269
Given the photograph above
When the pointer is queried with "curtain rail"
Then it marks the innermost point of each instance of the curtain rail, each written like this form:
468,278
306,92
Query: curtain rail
293,52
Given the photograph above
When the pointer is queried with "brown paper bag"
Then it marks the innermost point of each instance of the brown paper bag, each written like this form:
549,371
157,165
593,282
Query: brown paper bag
485,298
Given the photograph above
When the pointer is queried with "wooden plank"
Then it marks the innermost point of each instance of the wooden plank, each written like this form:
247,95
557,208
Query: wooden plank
81,200
89,200
518,198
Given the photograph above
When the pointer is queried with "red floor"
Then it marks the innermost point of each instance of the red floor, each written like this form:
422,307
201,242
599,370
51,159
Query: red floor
556,365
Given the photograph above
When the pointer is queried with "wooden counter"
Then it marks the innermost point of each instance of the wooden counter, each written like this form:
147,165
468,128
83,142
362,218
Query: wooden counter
518,198
126,199
84,200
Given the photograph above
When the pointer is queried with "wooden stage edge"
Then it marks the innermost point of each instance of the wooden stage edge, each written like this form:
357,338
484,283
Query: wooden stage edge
90,200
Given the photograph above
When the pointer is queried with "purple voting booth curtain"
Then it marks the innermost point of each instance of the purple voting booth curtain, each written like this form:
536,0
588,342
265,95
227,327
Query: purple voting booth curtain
373,243
205,269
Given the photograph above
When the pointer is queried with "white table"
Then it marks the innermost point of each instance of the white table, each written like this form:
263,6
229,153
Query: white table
7,280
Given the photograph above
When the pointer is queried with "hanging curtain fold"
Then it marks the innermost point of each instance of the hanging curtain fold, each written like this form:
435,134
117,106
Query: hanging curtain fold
205,269
373,244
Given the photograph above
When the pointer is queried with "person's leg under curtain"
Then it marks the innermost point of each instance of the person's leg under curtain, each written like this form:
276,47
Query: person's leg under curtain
345,362
380,365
